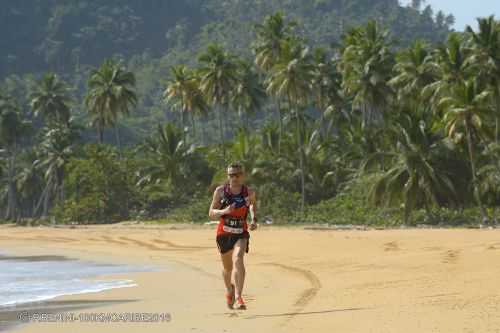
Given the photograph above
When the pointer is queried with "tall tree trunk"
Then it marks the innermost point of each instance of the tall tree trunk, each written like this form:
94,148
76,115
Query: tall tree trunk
242,116
40,201
247,120
183,124
496,129
204,129
280,119
301,158
497,100
193,124
46,201
118,140
12,205
473,168
407,213
302,171
225,121
221,132
100,130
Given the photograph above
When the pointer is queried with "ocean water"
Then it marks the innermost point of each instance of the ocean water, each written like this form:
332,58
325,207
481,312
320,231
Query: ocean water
38,278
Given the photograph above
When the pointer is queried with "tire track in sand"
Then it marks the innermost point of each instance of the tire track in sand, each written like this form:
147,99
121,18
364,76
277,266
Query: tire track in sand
177,246
167,245
308,294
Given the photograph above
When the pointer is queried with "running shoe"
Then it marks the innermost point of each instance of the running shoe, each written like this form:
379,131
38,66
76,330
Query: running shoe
240,304
230,297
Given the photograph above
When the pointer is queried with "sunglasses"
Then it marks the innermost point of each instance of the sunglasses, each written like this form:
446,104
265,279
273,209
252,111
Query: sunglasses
231,175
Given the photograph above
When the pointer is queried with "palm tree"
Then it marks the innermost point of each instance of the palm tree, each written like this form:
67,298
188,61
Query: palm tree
268,48
249,95
450,67
489,177
111,92
30,184
416,176
270,35
292,79
183,93
244,149
51,99
485,59
55,151
218,75
413,72
468,107
366,65
327,85
12,129
170,155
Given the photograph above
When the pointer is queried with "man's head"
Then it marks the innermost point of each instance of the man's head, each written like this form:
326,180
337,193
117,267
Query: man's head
235,173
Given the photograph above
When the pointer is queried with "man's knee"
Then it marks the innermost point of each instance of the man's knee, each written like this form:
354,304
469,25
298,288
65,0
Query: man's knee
238,257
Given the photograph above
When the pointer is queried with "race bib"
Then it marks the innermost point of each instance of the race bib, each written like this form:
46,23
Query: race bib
233,225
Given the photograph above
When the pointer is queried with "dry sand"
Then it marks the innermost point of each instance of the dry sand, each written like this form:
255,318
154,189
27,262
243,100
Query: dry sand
297,280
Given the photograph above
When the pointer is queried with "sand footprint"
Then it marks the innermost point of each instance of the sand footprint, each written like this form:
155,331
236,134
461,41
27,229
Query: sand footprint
391,246
450,257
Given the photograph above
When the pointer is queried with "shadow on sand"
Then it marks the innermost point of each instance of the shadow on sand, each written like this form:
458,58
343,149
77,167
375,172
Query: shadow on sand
303,313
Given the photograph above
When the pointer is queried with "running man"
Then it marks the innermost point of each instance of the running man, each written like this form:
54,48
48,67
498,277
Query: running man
230,205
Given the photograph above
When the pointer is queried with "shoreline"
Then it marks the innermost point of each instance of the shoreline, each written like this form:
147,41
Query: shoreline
412,280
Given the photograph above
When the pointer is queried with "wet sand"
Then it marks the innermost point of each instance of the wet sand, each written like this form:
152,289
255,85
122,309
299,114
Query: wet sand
297,280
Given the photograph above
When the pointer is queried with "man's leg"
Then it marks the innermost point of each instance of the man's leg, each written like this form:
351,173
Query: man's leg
227,263
239,266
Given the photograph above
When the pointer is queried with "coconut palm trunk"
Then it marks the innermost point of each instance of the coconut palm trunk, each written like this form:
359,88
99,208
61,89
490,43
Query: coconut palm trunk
473,169
12,204
221,131
193,125
100,130
118,140
301,157
280,119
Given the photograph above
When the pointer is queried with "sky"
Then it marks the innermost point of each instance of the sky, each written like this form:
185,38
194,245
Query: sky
465,11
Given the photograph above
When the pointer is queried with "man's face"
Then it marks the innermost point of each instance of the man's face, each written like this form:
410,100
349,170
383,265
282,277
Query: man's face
235,176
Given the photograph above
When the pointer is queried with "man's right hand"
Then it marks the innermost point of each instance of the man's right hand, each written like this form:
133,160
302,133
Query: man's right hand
229,209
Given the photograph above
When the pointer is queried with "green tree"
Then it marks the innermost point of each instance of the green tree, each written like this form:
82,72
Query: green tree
292,79
413,72
183,93
467,108
55,150
485,59
489,177
219,76
417,175
267,48
366,66
51,99
249,95
327,85
172,171
12,130
170,155
110,93
98,186
270,36
449,66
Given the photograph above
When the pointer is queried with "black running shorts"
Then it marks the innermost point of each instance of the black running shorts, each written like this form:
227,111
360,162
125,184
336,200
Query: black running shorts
226,242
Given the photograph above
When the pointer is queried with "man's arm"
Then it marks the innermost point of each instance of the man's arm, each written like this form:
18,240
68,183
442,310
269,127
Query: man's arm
214,213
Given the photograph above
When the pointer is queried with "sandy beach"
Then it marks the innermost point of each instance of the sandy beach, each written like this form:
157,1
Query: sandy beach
297,280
